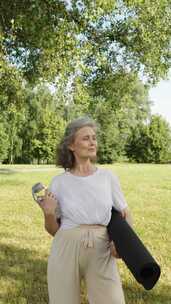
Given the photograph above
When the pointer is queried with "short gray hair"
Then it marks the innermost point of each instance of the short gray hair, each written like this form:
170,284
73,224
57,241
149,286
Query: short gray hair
65,157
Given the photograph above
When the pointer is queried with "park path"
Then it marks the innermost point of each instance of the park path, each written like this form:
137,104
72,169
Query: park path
13,169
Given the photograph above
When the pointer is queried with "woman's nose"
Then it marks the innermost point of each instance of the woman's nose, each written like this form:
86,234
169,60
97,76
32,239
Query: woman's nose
92,142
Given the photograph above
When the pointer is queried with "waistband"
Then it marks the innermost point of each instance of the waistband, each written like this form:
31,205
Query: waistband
87,238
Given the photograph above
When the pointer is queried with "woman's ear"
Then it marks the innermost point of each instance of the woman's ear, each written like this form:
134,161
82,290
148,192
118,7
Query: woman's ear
70,147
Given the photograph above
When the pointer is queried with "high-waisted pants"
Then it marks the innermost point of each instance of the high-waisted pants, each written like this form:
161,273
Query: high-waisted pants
83,252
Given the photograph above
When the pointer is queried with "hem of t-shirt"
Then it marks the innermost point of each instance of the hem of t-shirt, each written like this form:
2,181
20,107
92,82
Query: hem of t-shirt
68,228
121,207
76,226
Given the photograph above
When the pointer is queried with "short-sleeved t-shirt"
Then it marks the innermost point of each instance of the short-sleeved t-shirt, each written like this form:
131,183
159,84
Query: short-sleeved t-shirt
87,199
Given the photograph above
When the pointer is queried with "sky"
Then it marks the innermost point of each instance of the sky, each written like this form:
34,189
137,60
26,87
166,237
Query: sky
161,97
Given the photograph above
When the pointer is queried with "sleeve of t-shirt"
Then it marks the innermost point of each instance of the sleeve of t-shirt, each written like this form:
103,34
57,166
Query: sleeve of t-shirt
119,202
53,186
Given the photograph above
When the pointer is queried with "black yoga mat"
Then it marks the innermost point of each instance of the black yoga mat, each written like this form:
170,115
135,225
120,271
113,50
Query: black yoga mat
130,248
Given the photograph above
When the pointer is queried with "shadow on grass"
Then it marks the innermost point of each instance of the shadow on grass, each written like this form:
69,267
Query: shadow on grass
24,281
24,277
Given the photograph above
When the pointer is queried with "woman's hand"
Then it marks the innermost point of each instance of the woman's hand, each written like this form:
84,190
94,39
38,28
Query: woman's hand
48,203
113,250
125,213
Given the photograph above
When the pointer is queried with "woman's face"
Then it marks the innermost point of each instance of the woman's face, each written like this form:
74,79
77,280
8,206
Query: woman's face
85,143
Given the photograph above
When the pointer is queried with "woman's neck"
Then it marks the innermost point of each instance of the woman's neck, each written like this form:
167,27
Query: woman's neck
82,169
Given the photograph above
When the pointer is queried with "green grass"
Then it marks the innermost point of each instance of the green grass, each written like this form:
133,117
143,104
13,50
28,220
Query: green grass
25,245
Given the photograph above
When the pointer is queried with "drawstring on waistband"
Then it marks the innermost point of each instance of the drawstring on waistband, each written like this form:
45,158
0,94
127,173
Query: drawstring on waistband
88,239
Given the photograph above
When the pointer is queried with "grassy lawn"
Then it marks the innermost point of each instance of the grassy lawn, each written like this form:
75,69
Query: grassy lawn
25,245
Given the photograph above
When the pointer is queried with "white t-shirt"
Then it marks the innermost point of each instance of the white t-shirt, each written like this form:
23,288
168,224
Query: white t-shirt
87,199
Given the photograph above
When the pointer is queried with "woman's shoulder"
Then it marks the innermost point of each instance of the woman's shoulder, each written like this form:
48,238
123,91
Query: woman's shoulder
58,177
110,174
107,171
56,182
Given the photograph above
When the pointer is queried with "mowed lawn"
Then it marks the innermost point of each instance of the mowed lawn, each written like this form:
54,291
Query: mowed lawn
25,245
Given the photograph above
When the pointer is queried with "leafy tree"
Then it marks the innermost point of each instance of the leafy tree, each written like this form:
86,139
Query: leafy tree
119,102
11,106
160,139
4,143
109,144
150,143
11,87
42,129
14,127
48,37
125,92
50,130
137,144
102,47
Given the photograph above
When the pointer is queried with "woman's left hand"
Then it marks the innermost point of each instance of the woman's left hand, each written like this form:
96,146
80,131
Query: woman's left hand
126,215
113,250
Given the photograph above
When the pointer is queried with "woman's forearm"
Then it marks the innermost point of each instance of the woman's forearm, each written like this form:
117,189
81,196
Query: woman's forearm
51,225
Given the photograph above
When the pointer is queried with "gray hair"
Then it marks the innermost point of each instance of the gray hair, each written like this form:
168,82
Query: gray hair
65,156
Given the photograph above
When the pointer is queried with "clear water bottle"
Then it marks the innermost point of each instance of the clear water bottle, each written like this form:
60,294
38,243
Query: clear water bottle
38,191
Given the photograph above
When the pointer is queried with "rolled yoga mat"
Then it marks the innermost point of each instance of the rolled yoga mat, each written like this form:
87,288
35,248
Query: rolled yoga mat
130,248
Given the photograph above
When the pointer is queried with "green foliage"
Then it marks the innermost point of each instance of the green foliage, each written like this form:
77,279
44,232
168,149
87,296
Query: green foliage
109,145
119,102
42,129
4,142
47,37
16,119
12,96
11,86
94,53
160,136
126,94
150,143
50,129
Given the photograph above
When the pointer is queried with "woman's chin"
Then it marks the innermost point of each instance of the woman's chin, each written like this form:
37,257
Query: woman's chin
93,156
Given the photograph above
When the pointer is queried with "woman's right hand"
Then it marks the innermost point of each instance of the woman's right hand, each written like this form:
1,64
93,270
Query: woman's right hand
48,203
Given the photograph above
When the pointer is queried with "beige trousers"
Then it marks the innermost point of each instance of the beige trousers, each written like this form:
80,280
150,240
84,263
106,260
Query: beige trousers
83,252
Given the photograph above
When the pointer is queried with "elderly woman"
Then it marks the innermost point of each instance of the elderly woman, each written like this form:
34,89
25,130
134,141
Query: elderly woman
81,248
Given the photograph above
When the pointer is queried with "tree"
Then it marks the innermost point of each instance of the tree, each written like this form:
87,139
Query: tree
11,107
109,144
104,46
150,143
160,139
43,127
4,143
44,38
119,103
50,130
16,119
11,86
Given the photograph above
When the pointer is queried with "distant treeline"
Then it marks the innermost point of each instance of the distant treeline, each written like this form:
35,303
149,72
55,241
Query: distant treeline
30,134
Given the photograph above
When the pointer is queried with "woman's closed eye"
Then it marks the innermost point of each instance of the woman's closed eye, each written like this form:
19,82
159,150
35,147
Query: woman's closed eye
87,138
